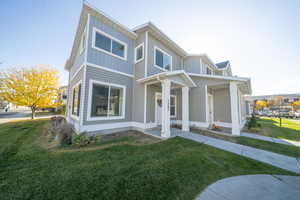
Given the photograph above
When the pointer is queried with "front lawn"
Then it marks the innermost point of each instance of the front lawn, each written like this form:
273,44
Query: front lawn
289,130
122,168
288,150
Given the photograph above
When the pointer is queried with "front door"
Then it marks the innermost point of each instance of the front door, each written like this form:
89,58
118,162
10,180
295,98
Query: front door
158,105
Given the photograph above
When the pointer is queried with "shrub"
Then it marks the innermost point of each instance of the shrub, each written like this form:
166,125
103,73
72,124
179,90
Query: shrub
252,122
59,129
83,139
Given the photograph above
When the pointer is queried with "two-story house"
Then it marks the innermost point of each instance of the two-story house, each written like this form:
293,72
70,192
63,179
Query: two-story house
121,78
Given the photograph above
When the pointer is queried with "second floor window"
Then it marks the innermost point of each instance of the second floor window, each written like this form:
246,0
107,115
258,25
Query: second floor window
139,53
76,100
106,43
162,59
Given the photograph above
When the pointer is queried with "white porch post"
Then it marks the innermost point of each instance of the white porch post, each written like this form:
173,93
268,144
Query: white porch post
185,109
234,108
165,126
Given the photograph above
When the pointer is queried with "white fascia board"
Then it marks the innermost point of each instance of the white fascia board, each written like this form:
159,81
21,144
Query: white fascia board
230,78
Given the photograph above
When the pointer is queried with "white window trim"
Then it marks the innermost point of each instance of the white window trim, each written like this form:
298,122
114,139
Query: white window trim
95,30
89,113
154,60
81,42
75,117
135,52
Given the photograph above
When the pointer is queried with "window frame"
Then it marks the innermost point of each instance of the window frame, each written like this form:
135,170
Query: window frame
135,52
154,61
95,31
175,105
76,117
90,98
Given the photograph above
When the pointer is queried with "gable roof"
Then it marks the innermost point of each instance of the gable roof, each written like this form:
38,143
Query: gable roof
154,30
87,9
223,65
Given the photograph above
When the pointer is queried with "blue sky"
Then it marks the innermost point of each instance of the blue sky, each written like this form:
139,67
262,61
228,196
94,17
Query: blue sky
260,38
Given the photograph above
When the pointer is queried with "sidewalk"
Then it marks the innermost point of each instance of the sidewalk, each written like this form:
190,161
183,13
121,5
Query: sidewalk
271,139
277,160
249,187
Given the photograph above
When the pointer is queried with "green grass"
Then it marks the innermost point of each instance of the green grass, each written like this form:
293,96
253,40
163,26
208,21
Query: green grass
288,150
289,130
123,169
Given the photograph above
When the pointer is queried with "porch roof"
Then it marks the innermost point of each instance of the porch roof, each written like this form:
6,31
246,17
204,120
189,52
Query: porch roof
172,75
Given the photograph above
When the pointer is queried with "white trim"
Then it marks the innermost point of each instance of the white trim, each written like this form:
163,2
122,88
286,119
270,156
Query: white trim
231,78
234,108
135,52
75,117
162,35
185,109
78,70
130,32
116,125
145,103
81,48
105,126
146,54
87,38
82,95
154,61
110,70
95,30
208,105
89,117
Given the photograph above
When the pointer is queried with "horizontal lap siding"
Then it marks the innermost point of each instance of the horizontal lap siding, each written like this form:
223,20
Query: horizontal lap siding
105,60
192,65
79,59
139,68
138,102
222,108
198,97
97,74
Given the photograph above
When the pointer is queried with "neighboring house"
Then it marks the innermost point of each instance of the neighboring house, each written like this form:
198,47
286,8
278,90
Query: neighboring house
121,78
276,101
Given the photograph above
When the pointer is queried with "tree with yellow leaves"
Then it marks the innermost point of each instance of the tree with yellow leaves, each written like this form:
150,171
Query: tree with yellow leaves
35,87
260,104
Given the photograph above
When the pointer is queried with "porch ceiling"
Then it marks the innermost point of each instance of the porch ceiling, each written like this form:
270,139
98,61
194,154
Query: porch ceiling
179,77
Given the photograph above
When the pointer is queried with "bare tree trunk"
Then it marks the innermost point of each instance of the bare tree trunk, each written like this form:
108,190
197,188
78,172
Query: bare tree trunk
32,112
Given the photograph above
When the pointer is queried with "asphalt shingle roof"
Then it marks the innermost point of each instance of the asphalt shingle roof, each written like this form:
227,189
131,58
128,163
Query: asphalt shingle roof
222,65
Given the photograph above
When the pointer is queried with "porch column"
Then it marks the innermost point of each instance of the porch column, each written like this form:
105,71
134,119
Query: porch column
185,109
165,125
234,108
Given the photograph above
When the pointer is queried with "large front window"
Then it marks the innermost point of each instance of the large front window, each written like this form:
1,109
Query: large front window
162,59
107,100
76,100
108,44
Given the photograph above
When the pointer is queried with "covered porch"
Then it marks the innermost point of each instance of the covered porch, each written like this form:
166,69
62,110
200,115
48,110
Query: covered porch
163,93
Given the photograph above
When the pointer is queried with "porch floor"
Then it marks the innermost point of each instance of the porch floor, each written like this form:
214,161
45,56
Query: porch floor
156,132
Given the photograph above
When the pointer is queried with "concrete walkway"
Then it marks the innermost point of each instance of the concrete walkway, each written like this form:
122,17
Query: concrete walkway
271,139
254,187
278,160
